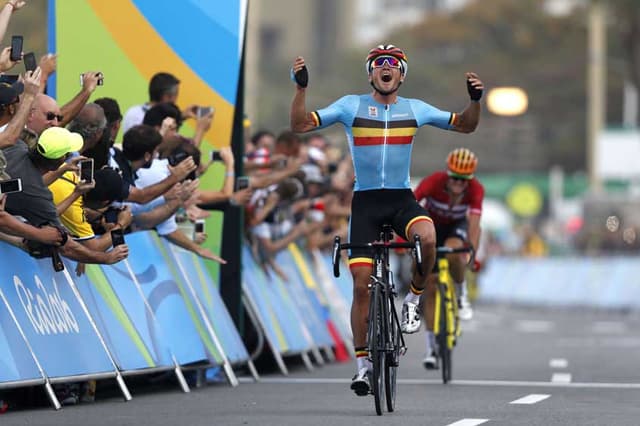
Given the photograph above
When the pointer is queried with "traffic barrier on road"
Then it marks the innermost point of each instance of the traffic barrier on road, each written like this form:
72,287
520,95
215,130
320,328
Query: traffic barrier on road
127,324
603,282
205,294
17,365
275,312
50,316
157,310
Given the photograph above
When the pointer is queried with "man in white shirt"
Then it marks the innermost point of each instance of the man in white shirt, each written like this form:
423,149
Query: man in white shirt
163,88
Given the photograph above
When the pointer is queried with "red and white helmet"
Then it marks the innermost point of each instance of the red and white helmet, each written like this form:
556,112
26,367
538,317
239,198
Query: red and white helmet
387,50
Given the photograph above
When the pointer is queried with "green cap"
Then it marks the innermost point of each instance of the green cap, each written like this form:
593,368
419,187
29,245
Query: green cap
56,142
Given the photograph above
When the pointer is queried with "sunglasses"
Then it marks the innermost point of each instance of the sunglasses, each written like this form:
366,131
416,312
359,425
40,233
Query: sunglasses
390,60
51,115
458,179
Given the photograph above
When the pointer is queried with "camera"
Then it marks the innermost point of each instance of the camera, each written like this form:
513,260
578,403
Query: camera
30,62
215,156
16,48
176,157
117,237
86,170
100,79
11,185
242,182
203,111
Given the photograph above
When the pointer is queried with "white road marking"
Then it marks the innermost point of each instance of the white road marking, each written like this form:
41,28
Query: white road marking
599,342
531,399
422,382
558,363
607,327
561,378
534,326
468,422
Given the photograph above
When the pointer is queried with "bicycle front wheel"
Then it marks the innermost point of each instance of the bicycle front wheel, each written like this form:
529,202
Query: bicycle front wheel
376,346
392,359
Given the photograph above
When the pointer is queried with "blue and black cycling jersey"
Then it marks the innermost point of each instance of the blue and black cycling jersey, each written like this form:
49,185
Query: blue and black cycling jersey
381,136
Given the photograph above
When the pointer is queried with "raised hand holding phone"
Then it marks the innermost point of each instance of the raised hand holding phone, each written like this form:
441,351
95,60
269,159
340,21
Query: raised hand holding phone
16,48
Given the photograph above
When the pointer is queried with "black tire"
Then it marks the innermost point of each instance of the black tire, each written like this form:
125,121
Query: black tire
393,356
376,346
444,351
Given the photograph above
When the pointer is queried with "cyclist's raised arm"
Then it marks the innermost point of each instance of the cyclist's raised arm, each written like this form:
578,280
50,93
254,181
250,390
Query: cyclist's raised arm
301,120
467,120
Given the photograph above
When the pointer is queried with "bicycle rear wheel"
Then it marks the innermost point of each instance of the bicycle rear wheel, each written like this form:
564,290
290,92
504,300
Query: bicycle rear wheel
392,359
376,347
444,351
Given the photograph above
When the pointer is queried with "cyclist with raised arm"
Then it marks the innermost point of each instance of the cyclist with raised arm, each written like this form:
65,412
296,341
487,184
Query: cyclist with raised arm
453,199
380,128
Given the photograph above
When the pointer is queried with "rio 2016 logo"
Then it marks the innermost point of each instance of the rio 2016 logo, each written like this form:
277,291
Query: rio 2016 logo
49,313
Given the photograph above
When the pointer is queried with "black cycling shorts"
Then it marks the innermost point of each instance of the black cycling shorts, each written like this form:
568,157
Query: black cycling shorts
374,208
457,229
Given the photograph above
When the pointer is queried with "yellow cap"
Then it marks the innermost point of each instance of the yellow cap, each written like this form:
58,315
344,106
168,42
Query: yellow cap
56,142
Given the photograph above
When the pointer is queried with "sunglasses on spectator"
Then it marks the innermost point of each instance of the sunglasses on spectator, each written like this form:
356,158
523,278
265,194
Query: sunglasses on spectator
51,115
390,60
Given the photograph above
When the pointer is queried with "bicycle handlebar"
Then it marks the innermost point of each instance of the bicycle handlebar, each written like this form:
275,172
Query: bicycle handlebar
373,247
448,250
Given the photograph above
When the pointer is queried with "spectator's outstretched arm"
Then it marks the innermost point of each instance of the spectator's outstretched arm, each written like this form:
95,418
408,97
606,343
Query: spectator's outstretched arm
72,166
103,242
203,124
178,238
81,188
12,226
208,196
275,246
151,192
73,107
76,251
15,126
159,214
48,64
5,14
262,181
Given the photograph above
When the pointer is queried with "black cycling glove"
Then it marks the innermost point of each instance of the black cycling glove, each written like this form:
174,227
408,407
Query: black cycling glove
474,94
301,78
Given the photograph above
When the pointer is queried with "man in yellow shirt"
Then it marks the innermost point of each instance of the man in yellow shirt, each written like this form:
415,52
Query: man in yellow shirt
68,193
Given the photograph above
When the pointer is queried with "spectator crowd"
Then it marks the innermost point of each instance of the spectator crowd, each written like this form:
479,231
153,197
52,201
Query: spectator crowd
78,175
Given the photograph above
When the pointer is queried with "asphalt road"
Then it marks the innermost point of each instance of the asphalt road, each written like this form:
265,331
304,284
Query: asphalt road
514,366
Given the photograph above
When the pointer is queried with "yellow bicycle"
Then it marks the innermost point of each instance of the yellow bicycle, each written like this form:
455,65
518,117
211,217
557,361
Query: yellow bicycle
446,324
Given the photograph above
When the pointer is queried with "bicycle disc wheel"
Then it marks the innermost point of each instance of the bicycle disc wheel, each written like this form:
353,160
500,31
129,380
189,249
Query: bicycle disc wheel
376,346
392,359
444,351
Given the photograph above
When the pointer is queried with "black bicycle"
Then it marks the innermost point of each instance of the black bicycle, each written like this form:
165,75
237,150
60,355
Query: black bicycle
384,338
446,325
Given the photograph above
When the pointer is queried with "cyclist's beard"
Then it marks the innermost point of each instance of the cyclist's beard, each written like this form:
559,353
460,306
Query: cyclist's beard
386,92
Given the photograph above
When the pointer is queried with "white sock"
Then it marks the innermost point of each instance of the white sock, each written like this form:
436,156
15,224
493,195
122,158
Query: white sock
363,362
431,342
461,289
